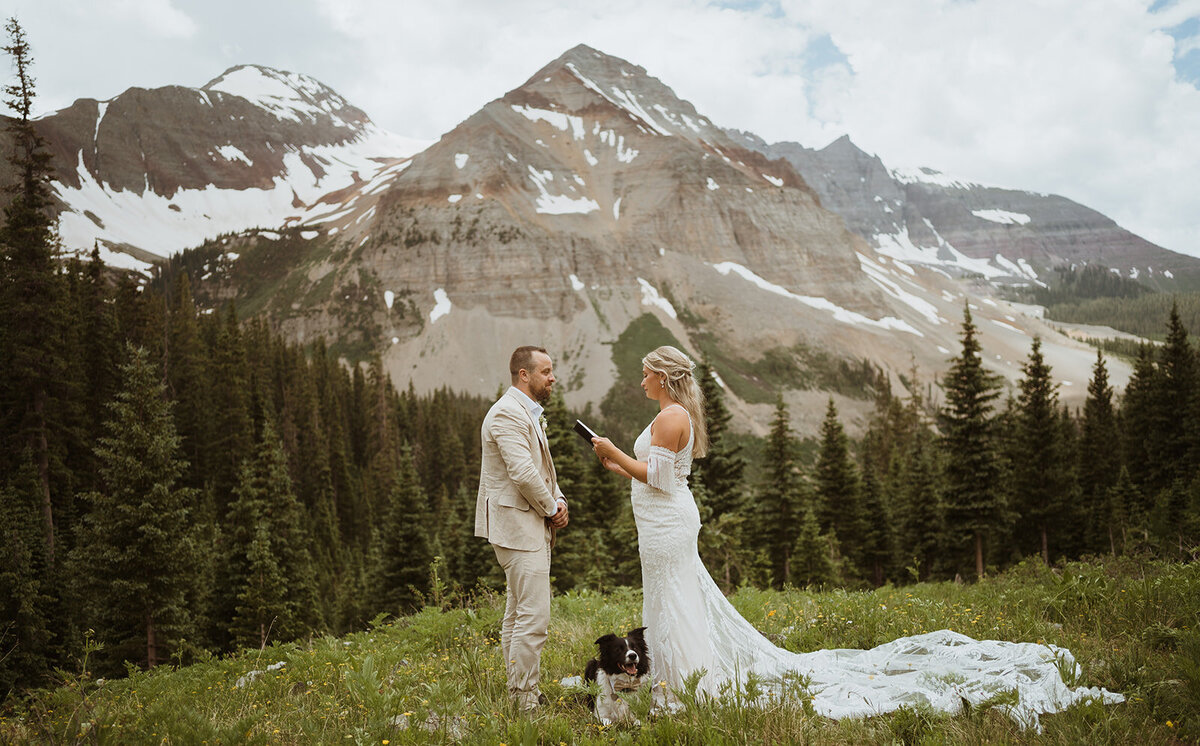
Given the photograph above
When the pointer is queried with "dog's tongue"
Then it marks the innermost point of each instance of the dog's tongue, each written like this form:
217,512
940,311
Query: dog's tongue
629,668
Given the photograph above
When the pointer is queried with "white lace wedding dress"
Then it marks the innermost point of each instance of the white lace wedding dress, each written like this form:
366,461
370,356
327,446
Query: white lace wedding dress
691,626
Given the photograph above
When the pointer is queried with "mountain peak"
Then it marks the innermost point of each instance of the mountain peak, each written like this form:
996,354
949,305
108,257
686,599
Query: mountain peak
844,146
581,74
285,94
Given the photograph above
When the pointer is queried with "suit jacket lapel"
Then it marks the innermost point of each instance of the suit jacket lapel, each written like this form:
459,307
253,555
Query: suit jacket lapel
538,435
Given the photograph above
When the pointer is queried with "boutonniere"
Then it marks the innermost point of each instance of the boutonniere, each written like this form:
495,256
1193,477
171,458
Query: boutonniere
542,421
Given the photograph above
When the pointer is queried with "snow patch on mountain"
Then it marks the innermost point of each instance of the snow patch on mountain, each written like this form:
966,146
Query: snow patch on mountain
923,175
555,119
1004,217
233,153
651,297
101,108
441,305
900,246
558,204
839,313
165,224
878,275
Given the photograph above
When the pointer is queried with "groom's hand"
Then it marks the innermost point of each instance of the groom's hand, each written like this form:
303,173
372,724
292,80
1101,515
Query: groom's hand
559,519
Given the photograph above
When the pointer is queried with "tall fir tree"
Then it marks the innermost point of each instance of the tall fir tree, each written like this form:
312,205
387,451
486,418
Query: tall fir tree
1038,469
876,546
187,380
33,348
96,367
919,523
781,499
25,605
1174,394
812,555
972,502
1114,512
837,488
264,497
1138,422
406,549
137,557
722,470
261,599
572,558
231,430
1099,463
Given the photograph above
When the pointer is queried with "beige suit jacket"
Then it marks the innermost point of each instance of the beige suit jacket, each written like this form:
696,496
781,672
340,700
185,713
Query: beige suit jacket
517,483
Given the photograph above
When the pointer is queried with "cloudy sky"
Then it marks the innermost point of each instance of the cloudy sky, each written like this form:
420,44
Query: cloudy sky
1096,100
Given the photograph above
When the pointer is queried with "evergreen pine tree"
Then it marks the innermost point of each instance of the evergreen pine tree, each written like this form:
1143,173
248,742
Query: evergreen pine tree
187,380
1099,463
261,599
95,368
475,563
32,300
1114,512
136,558
572,559
721,470
972,504
231,427
781,498
837,488
919,519
406,549
264,498
1038,469
25,633
1137,425
812,561
1170,444
876,548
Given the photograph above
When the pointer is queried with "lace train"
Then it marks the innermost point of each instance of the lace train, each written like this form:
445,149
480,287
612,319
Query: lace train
692,626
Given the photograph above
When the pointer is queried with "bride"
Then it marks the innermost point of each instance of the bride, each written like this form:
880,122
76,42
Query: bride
691,629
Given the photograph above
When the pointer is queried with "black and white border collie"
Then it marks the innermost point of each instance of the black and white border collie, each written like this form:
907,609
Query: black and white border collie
622,666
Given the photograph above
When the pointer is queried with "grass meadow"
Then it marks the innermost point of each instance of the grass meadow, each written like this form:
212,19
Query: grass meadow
437,676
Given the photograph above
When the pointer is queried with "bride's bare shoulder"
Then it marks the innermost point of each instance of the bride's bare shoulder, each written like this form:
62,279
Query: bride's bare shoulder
669,427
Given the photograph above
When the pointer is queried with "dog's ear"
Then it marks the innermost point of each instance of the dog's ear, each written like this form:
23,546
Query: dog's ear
638,634
606,638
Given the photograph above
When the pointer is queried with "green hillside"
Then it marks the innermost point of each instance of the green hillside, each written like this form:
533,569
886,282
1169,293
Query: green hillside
437,677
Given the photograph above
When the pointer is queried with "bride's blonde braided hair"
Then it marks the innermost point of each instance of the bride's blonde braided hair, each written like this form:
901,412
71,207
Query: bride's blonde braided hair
677,372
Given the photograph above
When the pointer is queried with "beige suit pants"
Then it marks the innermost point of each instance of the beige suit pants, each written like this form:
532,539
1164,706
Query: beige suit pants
526,620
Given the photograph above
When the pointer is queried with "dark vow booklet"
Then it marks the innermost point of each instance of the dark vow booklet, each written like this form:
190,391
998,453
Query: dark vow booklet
585,432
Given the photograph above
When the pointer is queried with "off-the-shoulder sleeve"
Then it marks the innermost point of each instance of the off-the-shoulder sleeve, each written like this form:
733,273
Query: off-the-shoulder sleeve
660,468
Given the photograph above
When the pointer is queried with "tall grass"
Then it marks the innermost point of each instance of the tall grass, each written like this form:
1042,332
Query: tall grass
437,676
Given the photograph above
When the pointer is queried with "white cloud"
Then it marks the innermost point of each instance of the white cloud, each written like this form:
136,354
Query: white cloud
160,17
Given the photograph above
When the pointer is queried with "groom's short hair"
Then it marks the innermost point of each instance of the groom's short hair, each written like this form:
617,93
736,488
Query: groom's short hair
522,359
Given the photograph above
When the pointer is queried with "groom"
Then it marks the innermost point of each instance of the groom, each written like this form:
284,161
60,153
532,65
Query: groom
518,510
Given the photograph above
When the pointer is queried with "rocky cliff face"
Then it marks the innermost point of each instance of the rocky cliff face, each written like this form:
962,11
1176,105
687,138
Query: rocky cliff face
1014,236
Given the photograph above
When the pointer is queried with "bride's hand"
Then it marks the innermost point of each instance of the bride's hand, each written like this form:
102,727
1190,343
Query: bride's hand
603,448
614,467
